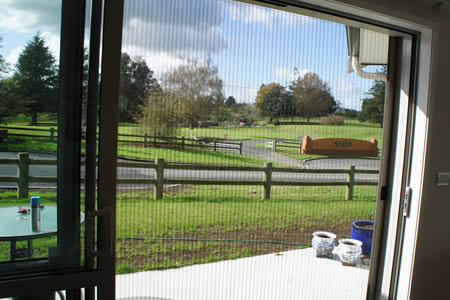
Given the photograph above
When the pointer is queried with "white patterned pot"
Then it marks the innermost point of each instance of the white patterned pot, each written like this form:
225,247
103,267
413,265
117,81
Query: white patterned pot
349,251
323,243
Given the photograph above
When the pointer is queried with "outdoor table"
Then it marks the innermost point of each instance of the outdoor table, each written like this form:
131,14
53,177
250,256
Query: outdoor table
15,226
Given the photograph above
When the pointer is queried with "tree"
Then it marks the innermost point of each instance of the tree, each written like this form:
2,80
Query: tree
3,65
160,115
136,84
230,101
245,113
218,104
372,108
271,99
7,86
8,100
36,78
311,96
198,89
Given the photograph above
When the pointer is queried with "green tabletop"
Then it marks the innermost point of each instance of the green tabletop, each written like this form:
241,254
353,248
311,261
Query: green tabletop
17,226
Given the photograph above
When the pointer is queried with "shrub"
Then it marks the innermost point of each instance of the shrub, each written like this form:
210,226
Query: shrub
276,122
334,120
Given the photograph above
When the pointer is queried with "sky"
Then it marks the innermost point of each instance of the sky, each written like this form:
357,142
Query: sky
250,45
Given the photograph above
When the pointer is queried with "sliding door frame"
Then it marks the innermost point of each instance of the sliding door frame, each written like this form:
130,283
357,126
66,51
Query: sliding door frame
63,270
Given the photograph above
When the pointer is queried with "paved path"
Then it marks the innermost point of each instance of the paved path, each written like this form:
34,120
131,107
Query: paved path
250,148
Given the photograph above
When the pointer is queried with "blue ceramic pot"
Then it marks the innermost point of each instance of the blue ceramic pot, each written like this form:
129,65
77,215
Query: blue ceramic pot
323,243
349,251
362,230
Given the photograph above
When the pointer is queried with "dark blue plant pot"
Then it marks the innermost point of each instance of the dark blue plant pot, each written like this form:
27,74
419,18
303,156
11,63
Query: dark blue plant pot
362,230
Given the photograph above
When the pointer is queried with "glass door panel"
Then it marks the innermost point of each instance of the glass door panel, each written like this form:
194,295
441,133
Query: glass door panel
30,60
55,121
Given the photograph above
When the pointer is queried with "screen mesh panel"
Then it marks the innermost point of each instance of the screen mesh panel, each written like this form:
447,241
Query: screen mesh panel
241,134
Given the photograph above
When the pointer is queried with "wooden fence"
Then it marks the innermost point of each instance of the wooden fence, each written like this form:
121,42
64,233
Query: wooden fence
23,179
275,145
146,140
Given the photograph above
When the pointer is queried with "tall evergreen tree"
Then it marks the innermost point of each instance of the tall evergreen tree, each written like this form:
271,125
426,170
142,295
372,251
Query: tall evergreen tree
3,65
136,84
372,109
8,104
230,101
36,78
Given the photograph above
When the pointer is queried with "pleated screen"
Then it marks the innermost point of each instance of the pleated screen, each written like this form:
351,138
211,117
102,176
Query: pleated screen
243,134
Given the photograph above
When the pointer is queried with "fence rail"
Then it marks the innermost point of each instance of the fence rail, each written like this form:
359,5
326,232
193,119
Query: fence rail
24,162
146,140
275,145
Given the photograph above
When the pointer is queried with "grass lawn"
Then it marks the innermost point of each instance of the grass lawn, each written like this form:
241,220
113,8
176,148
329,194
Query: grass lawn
200,224
206,224
45,121
351,129
191,156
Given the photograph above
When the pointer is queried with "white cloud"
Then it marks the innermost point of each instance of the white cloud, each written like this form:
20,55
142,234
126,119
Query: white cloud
30,15
251,14
284,74
11,59
347,87
348,92
176,27
241,94
269,17
158,62
53,42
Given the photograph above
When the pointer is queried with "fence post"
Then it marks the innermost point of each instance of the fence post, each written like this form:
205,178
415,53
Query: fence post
240,148
154,142
215,145
145,140
52,134
267,180
350,183
182,143
274,147
22,190
159,176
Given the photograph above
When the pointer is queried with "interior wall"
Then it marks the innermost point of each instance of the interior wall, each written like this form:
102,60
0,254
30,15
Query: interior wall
430,277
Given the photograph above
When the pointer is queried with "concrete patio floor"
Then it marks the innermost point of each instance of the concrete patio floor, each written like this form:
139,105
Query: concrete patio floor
295,274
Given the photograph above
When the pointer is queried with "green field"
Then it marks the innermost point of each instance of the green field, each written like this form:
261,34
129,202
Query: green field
200,224
351,129
190,155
